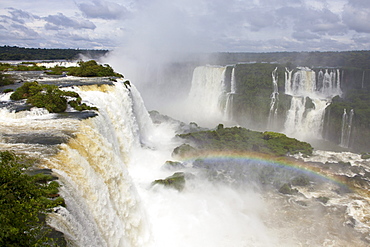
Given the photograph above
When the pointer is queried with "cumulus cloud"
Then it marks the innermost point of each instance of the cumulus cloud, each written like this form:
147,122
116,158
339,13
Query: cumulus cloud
18,16
194,25
356,16
60,20
103,10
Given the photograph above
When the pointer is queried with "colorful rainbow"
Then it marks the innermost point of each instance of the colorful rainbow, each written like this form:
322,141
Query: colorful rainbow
265,159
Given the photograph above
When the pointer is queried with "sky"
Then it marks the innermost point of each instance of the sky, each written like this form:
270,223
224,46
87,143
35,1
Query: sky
188,25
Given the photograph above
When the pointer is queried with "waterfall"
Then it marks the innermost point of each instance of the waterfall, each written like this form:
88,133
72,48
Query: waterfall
229,106
103,207
288,81
346,128
233,82
310,97
274,100
207,93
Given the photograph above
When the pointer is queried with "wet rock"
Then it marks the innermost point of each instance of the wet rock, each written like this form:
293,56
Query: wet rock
176,181
173,165
300,181
287,189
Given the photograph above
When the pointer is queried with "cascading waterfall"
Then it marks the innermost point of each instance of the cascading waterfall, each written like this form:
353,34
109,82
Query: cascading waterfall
346,128
274,100
207,93
106,171
230,97
310,97
103,208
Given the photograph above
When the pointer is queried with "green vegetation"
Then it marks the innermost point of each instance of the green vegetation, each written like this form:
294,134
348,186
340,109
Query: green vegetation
85,69
91,69
254,84
240,139
176,181
359,101
323,199
21,53
353,59
6,79
287,189
24,202
49,97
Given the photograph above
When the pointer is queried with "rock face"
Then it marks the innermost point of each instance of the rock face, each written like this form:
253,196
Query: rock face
176,181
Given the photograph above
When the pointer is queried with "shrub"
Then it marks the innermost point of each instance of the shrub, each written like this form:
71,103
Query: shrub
24,203
49,97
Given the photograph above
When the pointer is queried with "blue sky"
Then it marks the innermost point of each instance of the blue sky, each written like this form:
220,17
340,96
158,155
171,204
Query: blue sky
191,25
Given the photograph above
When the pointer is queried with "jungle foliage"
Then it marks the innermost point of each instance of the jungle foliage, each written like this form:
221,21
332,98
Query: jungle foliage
84,69
241,139
49,97
357,100
21,53
24,202
92,69
349,59
254,89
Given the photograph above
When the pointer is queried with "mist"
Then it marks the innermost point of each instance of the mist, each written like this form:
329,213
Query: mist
160,47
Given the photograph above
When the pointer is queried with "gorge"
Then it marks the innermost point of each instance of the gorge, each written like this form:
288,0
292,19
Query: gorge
106,161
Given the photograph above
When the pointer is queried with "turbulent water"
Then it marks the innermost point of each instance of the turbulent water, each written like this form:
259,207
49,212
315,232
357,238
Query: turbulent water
302,85
107,163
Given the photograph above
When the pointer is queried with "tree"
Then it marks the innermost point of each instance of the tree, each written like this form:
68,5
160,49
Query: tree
24,203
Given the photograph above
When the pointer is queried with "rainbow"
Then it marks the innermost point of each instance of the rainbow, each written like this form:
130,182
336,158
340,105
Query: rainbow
268,160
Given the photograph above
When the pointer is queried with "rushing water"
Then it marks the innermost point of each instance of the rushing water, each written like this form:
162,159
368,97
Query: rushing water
106,165
307,122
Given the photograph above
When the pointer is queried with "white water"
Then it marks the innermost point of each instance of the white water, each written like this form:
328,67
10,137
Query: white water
229,106
103,205
106,171
346,128
206,98
302,121
271,124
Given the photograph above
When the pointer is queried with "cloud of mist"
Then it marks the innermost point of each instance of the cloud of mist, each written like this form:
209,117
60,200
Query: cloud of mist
159,34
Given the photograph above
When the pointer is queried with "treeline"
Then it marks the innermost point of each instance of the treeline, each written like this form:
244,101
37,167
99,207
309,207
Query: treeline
21,53
348,59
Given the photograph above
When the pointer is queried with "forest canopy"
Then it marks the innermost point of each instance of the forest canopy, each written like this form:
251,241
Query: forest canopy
25,199
21,53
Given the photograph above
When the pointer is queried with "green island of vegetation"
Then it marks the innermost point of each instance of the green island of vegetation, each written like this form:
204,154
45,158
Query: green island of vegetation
49,97
237,139
26,197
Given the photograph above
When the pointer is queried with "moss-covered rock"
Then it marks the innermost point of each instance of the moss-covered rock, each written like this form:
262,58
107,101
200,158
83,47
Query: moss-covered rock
300,181
49,97
365,156
173,165
287,189
237,139
323,199
183,151
176,181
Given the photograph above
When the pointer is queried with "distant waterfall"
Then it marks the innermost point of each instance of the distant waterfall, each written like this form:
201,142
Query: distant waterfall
274,100
310,97
229,106
103,208
346,128
207,97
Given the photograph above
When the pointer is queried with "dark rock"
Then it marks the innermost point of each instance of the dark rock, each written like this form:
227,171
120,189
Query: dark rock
176,181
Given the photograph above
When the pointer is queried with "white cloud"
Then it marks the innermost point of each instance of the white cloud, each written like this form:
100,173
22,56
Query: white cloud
357,16
60,20
104,10
192,25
